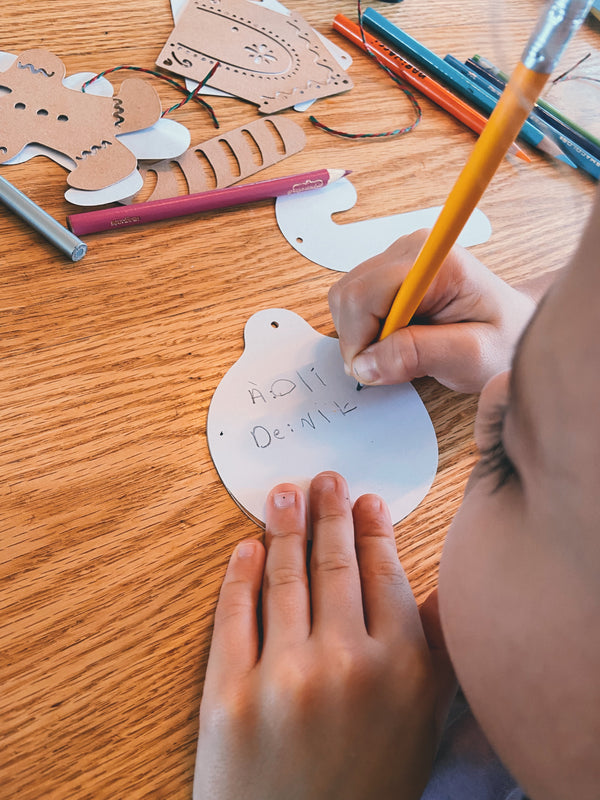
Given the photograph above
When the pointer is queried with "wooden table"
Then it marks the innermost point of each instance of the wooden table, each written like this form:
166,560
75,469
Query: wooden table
115,528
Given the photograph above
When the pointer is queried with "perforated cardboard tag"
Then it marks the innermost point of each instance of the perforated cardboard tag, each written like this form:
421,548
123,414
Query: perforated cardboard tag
265,57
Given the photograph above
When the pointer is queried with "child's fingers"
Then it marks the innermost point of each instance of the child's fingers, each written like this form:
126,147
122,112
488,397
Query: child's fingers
390,608
335,583
234,646
375,282
453,354
357,314
286,601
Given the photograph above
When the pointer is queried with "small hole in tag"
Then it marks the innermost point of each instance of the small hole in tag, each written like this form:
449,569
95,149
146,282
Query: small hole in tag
274,324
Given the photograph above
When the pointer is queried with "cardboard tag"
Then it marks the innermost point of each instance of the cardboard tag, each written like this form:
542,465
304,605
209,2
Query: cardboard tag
266,57
36,107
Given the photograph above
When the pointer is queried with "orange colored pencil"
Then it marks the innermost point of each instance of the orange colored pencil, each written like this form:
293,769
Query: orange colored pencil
413,75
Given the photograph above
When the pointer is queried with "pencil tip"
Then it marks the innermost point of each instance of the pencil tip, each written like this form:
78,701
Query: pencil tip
337,174
567,160
359,386
523,156
552,148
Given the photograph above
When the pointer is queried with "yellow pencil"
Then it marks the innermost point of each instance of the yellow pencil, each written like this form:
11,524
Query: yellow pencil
559,20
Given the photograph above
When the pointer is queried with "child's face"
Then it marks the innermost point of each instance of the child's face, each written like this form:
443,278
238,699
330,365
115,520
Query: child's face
520,574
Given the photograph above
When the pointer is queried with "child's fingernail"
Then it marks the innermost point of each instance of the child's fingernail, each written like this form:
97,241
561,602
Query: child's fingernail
365,368
327,483
284,499
245,549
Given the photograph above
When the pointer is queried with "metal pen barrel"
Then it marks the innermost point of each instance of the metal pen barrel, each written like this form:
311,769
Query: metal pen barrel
37,218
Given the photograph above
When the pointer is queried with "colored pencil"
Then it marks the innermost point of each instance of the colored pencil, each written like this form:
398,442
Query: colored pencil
25,208
540,114
581,156
440,95
542,103
473,78
115,218
444,72
578,153
554,29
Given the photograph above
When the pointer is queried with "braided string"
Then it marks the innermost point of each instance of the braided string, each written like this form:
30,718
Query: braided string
193,95
400,83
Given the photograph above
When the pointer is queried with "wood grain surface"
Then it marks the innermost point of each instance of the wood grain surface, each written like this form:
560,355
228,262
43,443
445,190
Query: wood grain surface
114,526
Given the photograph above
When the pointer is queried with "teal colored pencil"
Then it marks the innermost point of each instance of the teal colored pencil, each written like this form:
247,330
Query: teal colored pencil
432,63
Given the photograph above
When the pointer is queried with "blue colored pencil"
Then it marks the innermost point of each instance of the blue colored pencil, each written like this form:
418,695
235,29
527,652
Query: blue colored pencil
541,113
579,155
486,64
376,22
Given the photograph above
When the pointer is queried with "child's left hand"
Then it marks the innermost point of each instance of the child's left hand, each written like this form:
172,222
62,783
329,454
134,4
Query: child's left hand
343,698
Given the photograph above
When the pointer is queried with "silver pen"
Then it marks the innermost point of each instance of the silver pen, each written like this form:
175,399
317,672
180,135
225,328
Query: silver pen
57,234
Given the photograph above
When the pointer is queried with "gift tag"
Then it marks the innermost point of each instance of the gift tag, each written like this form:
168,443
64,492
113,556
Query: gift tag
305,221
286,410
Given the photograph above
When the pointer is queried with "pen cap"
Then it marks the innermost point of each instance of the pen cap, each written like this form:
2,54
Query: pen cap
557,23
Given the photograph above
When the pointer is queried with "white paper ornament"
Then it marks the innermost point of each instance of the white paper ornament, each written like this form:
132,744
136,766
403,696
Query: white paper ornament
286,411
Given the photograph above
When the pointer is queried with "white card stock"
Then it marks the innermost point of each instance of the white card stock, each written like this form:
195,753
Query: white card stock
286,410
305,221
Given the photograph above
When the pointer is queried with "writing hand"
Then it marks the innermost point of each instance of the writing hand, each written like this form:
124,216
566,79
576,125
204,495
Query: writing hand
468,322
340,701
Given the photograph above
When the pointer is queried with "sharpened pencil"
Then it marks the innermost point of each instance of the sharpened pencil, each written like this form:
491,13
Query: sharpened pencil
444,72
425,84
559,20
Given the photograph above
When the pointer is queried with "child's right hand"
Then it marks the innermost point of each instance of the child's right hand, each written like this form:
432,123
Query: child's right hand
464,332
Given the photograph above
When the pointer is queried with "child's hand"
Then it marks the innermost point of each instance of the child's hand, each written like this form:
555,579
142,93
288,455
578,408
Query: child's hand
341,702
470,320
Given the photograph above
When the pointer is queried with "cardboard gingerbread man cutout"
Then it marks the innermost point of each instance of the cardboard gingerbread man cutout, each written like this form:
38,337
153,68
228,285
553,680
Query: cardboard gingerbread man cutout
36,107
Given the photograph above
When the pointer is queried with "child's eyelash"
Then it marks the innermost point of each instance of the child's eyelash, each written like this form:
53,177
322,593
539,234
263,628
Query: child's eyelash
494,460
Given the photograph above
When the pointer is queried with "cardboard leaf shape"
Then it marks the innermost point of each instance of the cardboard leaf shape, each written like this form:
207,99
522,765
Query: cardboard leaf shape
286,410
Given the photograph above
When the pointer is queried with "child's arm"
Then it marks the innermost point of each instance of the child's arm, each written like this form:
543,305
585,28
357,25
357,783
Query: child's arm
469,320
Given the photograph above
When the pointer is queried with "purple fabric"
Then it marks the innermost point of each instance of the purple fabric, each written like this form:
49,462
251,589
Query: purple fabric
466,767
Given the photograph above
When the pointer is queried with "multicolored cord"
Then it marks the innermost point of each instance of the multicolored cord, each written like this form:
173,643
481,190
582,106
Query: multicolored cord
396,79
193,95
